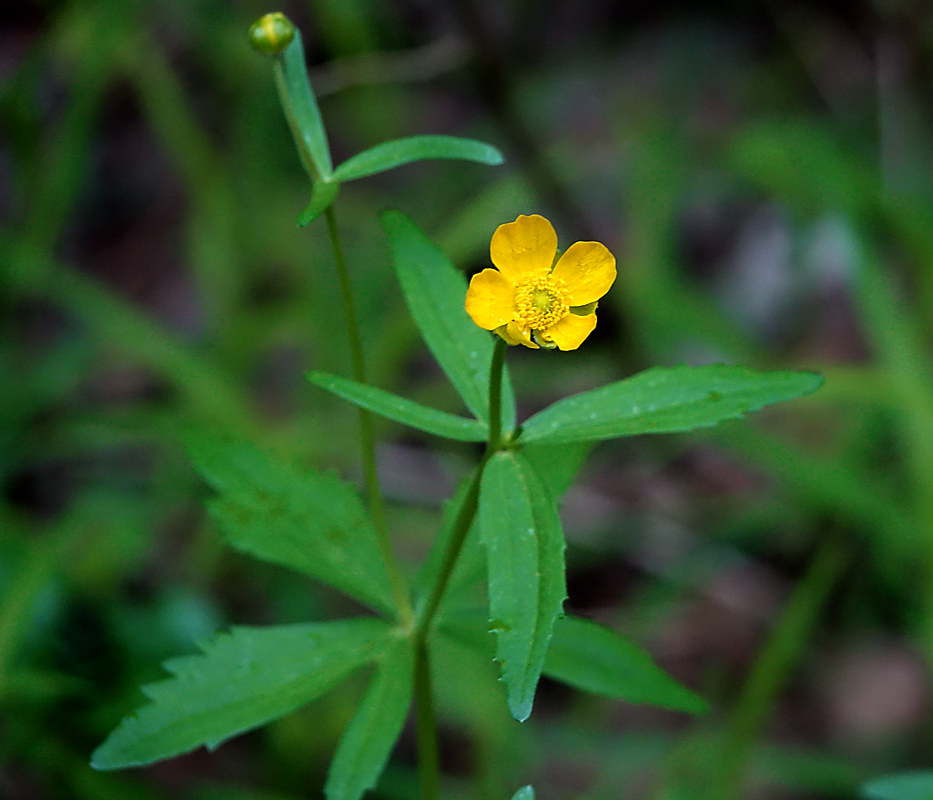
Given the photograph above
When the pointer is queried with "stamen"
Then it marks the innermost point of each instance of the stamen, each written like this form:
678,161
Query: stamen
539,303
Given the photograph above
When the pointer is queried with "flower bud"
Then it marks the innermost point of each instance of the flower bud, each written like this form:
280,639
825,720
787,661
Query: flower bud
272,33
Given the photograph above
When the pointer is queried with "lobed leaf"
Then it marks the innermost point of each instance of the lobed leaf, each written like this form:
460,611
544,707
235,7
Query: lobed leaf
665,400
521,531
312,522
368,741
242,680
389,155
435,292
400,409
597,659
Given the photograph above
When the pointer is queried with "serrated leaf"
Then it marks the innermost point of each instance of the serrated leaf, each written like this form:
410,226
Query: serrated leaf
243,679
665,400
309,521
389,155
521,531
596,659
368,741
904,786
301,109
525,793
322,195
400,409
435,292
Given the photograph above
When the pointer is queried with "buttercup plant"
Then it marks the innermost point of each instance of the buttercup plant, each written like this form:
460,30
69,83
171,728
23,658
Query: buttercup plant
504,518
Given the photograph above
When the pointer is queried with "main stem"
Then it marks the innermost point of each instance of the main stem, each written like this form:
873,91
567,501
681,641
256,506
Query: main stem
428,758
367,440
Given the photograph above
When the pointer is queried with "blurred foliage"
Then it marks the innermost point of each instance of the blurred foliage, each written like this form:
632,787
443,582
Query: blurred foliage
763,173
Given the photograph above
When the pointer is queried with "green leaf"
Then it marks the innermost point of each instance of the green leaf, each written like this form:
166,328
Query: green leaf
665,400
322,195
368,741
312,522
557,465
400,409
243,679
301,110
389,155
435,292
524,543
525,793
596,659
904,786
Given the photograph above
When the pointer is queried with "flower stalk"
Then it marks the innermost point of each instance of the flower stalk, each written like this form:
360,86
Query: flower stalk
428,759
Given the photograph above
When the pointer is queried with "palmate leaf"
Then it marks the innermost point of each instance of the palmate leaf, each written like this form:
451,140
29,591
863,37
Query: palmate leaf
435,292
312,522
596,659
665,400
389,155
521,531
368,741
243,679
400,409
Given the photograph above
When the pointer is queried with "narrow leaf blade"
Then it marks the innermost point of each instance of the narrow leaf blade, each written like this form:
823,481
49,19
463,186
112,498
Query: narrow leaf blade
312,522
521,531
435,292
322,196
291,76
665,400
400,409
389,155
596,659
368,741
243,679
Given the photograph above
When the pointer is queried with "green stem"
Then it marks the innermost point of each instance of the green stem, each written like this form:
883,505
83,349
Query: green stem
428,759
429,768
367,440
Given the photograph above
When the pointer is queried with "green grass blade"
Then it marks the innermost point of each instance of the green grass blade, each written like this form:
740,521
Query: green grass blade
368,741
524,543
665,400
389,155
309,521
435,292
400,409
243,679
596,659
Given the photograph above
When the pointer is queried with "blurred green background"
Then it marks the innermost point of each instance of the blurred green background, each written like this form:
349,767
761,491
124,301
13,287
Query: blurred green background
762,172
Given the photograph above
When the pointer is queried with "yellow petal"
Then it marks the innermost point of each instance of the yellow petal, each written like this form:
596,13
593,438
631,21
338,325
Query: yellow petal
585,271
525,248
490,300
570,332
520,334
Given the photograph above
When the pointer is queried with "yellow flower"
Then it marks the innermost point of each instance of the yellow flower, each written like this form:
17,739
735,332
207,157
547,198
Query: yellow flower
533,301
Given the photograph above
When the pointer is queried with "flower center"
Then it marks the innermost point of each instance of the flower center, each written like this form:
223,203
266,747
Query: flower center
539,304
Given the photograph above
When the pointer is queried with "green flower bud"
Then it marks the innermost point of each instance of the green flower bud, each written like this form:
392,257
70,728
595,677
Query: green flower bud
272,33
